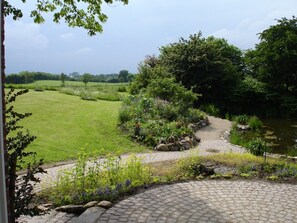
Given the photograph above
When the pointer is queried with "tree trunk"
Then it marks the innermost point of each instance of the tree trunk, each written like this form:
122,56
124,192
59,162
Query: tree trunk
3,112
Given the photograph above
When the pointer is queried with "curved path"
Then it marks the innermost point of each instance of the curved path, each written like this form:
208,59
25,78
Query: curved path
211,143
209,201
195,201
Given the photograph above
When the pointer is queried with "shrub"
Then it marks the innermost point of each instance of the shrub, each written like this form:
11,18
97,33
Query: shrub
257,147
210,109
122,89
107,96
241,119
194,115
87,95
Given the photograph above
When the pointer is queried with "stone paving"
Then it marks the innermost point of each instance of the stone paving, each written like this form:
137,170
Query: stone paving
209,201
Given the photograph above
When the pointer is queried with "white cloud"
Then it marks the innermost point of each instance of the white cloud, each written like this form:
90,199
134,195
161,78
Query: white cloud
25,36
67,36
245,34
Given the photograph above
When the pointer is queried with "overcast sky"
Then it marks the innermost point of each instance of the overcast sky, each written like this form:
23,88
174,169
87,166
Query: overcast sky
134,31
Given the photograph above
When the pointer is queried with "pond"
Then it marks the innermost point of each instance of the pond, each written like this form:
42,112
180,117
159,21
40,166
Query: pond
281,136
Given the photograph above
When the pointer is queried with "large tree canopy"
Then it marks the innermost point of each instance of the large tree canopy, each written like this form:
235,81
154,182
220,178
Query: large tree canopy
81,13
209,65
274,60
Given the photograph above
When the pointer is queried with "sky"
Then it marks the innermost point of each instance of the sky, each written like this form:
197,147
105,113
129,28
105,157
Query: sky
134,31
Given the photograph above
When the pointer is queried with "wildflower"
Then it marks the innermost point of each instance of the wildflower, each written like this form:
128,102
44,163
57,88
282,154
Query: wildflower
128,183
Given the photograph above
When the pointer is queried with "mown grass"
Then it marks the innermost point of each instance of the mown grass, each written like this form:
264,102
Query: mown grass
64,124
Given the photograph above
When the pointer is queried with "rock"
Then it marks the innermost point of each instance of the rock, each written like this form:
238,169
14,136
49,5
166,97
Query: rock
224,170
185,144
187,138
197,138
45,207
243,127
91,215
105,204
75,209
162,147
90,204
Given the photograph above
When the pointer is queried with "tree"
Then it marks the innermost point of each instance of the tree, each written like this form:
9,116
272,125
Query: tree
86,78
63,77
85,13
123,76
88,15
210,65
274,59
20,187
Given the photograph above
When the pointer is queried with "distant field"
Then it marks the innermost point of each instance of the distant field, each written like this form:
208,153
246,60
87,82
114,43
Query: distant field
64,124
47,84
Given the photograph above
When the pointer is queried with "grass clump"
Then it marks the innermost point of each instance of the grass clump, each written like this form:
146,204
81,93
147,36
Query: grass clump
249,138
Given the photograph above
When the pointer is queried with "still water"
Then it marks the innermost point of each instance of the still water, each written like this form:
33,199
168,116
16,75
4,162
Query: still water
281,136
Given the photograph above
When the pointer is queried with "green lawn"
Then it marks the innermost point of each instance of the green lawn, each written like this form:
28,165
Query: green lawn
65,124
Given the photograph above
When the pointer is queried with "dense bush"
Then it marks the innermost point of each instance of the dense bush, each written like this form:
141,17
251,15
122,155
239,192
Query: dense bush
257,147
151,120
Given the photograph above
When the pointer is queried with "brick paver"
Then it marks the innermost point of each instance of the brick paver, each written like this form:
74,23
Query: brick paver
209,201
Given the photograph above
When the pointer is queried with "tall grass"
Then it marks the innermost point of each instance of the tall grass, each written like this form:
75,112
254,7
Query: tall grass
93,90
104,179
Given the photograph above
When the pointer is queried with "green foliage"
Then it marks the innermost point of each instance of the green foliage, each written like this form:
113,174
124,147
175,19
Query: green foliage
88,15
238,138
103,179
210,109
20,187
122,89
167,89
63,78
156,119
161,108
241,119
189,167
26,77
92,94
123,76
274,57
257,147
210,65
85,78
255,123
146,75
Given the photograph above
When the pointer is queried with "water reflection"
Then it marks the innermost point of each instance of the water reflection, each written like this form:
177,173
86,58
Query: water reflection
281,136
